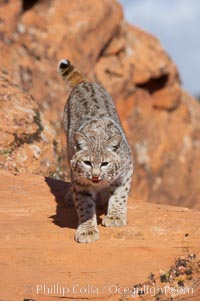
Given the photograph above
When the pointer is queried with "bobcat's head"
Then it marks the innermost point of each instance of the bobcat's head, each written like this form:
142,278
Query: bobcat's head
95,160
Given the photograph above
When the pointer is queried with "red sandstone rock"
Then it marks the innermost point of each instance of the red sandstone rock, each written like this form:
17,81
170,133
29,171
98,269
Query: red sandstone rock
160,119
37,244
28,142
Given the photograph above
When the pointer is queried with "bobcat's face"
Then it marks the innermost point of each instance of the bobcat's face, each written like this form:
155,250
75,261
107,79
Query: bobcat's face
95,162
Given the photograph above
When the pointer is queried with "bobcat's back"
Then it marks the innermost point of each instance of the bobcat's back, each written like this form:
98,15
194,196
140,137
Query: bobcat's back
98,152
87,104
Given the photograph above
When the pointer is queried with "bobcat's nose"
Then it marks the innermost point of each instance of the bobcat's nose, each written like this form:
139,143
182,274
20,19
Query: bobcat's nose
95,173
96,179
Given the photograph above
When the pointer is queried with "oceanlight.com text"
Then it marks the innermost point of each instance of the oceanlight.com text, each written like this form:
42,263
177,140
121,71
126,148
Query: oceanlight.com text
60,290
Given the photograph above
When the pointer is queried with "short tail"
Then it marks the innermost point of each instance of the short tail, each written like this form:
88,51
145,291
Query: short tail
70,74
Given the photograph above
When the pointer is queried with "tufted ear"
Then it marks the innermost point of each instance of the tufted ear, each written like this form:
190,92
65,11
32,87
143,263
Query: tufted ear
114,142
80,141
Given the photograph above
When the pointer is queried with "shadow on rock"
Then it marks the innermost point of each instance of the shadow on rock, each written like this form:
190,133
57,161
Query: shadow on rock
65,216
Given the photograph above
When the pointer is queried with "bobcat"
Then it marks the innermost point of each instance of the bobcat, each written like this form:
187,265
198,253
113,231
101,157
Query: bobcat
99,155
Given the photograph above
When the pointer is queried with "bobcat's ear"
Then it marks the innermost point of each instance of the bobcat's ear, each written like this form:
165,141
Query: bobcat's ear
81,142
114,142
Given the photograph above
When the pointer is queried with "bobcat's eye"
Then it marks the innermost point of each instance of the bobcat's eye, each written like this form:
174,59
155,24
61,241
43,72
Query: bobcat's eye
104,164
88,163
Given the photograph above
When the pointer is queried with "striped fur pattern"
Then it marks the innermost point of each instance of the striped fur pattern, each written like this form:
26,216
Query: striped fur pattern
98,153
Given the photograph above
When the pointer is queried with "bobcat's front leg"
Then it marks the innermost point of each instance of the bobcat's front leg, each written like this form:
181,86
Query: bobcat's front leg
117,204
87,230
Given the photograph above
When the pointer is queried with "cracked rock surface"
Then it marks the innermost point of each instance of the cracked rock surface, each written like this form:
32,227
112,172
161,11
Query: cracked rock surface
28,142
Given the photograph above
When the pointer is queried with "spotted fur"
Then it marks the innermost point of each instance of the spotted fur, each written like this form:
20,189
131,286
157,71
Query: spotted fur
98,152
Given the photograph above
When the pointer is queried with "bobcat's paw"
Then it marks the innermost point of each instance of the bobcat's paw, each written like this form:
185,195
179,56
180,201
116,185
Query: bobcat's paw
86,234
114,221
